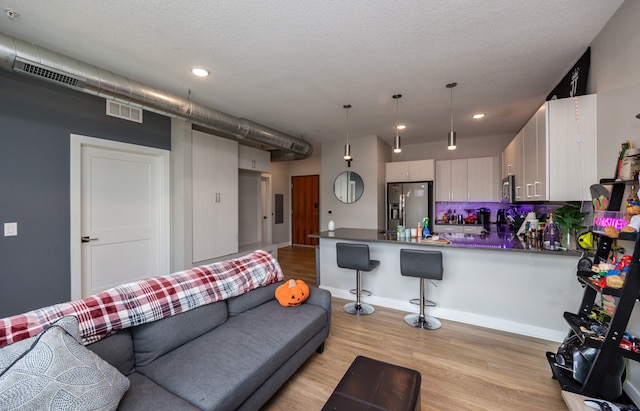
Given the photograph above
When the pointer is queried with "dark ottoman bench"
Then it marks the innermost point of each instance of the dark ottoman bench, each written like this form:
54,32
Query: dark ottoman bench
372,385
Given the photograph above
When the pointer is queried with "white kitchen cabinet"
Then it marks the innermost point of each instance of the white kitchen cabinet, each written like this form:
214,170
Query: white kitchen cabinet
509,159
472,179
513,164
443,180
253,159
483,181
572,154
215,196
534,158
540,183
451,180
404,171
554,157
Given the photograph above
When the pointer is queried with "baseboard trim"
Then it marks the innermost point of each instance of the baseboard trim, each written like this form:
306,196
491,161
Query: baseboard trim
460,316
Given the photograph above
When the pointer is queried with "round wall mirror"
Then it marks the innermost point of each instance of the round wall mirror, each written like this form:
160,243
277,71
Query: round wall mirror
348,187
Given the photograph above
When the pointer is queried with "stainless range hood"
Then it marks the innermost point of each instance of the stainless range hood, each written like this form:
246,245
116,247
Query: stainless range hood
27,58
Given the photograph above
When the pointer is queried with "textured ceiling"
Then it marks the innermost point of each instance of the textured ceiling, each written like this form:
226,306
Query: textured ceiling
292,65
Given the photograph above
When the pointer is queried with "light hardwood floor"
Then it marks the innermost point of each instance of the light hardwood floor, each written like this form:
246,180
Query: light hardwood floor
463,367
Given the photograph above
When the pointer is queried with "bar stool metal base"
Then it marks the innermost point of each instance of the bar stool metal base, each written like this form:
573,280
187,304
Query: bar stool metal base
356,308
425,322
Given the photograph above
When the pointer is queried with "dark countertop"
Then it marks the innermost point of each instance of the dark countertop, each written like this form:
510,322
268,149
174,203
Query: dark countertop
495,239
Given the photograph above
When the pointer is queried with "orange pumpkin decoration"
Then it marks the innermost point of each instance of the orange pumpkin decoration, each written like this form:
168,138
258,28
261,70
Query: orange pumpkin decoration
292,293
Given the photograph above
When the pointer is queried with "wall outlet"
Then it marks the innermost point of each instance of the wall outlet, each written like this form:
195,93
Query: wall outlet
10,229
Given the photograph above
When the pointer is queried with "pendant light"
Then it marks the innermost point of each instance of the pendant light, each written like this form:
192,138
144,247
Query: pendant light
451,140
347,147
396,141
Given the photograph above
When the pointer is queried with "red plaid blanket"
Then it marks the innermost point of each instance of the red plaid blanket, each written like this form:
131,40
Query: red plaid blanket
138,302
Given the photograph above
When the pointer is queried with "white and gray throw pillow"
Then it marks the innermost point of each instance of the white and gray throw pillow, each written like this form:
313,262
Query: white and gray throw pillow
54,371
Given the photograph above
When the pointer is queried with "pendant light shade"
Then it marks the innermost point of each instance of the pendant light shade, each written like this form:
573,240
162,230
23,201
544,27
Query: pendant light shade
397,148
451,139
347,146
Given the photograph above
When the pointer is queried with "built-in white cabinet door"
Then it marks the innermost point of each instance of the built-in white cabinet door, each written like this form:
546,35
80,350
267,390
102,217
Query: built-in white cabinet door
397,171
572,148
443,180
215,196
540,184
459,175
421,170
519,166
253,159
403,171
482,182
530,156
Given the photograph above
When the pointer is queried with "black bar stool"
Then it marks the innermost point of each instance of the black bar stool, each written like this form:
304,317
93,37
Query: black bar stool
356,257
426,265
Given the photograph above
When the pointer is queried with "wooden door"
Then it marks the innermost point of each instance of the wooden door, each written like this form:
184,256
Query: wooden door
305,209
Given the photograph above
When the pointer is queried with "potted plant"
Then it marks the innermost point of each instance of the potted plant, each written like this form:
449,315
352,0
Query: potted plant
570,217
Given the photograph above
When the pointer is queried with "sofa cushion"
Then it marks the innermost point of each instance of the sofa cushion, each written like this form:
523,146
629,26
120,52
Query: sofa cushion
222,368
252,299
145,395
151,340
117,350
57,372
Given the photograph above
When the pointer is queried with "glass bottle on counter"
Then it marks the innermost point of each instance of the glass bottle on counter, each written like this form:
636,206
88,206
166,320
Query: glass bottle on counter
551,235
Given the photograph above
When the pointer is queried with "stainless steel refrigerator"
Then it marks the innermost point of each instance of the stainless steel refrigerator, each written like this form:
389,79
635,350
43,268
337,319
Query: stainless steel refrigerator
408,204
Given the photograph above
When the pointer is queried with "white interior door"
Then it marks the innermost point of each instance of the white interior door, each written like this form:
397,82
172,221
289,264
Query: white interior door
123,232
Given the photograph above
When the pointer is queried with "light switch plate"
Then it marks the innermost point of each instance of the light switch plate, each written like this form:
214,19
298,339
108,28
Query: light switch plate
10,229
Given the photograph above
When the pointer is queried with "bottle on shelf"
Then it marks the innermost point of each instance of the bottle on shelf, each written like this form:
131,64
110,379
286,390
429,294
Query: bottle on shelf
419,230
551,235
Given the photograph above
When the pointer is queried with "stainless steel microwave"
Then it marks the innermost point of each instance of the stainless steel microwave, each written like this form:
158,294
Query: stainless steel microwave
508,189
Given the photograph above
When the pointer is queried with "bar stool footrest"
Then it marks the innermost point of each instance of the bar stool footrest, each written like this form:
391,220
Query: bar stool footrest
362,292
427,303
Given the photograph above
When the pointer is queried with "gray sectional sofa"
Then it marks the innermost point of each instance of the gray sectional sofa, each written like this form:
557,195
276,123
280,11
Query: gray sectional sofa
231,354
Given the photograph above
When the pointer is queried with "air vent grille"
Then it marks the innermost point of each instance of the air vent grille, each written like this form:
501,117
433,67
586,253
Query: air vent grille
123,111
48,74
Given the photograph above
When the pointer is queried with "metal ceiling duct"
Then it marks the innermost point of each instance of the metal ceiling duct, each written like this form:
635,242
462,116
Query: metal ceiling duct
24,57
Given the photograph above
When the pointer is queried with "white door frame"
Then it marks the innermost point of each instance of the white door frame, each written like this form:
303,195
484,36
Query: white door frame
76,144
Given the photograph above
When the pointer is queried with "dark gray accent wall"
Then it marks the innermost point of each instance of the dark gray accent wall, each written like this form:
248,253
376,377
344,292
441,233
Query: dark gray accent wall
36,120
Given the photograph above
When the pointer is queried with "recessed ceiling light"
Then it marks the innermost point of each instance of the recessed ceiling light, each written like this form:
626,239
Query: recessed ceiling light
479,115
401,126
200,72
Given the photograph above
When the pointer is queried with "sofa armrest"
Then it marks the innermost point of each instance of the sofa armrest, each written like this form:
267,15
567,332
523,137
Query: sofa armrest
321,298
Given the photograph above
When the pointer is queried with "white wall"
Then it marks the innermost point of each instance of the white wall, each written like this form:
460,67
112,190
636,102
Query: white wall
615,77
369,159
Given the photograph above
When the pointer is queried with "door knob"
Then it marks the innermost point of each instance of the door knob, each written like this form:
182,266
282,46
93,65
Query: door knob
86,239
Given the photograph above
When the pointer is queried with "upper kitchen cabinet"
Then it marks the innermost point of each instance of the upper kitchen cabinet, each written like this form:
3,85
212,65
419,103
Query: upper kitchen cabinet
253,159
473,179
403,171
483,179
451,180
571,148
553,157
534,144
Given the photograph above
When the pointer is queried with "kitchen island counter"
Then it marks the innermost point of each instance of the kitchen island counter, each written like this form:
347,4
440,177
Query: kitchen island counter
491,285
494,239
